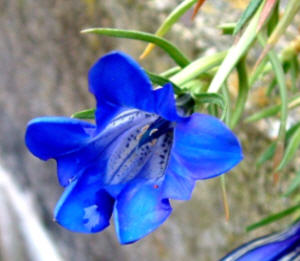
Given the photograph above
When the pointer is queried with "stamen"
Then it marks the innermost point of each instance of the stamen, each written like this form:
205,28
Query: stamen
153,142
143,130
153,131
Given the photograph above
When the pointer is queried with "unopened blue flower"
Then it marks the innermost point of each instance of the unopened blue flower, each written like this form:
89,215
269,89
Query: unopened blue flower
282,246
140,153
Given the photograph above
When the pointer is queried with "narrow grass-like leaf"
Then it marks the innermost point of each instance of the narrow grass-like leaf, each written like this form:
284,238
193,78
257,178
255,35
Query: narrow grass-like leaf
270,151
160,80
170,72
273,110
242,93
294,71
210,98
173,17
280,77
291,10
235,53
266,12
227,28
171,49
272,218
273,19
247,14
291,149
198,67
226,95
268,112
271,87
85,114
266,155
293,186
258,71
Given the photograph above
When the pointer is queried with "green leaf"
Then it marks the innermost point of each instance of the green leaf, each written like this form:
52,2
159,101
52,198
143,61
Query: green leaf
293,186
85,114
265,113
266,12
290,11
269,152
170,72
198,67
242,93
280,78
227,100
235,53
168,47
227,28
271,87
294,72
160,80
210,98
167,24
273,19
272,218
290,150
273,110
266,155
247,14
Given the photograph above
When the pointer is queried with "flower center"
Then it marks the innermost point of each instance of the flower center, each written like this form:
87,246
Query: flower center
142,151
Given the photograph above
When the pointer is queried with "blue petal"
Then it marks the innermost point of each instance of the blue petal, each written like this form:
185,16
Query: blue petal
177,184
205,146
273,247
84,208
51,137
118,82
139,210
165,103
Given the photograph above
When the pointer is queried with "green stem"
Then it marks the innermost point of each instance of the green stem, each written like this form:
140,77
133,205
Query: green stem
243,92
198,67
170,72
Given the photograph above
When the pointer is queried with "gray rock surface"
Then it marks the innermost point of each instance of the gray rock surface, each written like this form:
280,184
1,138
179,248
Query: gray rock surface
43,66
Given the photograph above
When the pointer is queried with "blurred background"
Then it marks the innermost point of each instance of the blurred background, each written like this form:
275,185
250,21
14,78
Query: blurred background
44,62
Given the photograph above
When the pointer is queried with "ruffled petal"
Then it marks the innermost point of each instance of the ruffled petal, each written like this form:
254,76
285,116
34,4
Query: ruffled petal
139,210
84,208
51,137
205,146
273,247
118,82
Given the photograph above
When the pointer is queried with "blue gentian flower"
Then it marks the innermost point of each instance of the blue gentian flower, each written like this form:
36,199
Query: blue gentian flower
281,246
138,155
